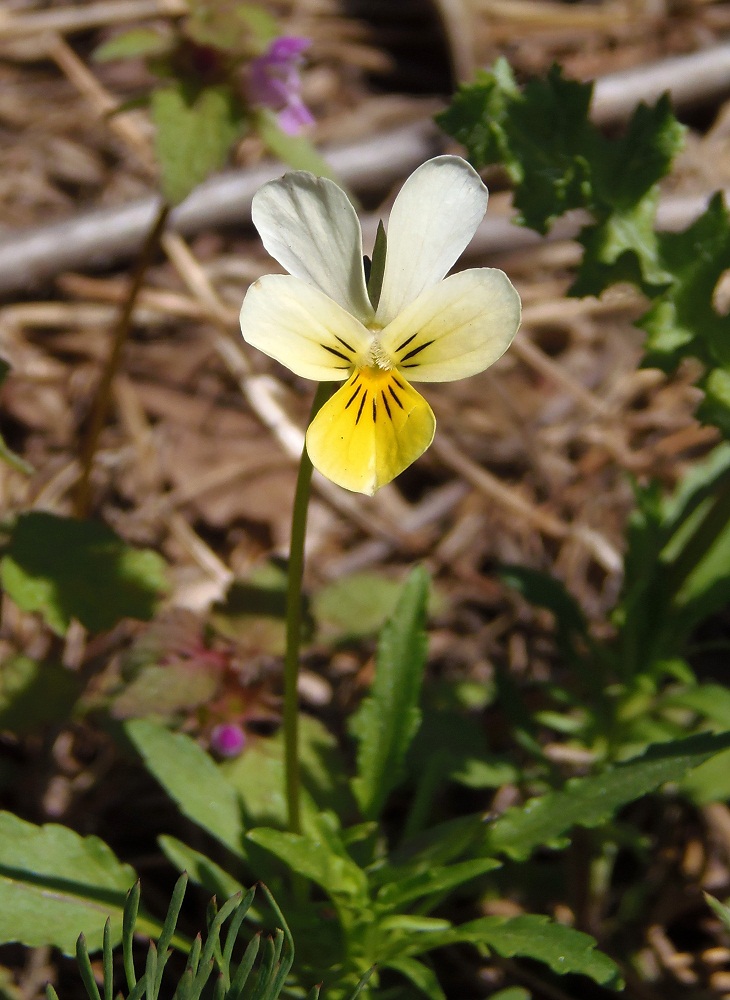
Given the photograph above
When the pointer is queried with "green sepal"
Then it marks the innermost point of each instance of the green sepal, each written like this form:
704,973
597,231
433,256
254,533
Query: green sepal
377,265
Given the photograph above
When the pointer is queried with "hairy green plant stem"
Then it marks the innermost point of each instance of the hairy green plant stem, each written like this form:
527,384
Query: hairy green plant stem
294,624
102,398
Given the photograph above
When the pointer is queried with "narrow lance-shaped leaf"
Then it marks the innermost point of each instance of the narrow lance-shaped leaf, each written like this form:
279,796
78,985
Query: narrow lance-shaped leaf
192,779
315,859
721,910
389,718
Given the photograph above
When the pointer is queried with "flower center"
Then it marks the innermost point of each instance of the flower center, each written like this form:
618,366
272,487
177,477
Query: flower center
377,358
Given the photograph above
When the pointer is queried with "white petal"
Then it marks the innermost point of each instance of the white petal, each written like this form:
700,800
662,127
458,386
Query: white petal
308,224
456,329
432,222
302,328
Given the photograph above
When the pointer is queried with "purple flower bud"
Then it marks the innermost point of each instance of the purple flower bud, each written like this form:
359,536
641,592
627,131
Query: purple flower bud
227,739
274,82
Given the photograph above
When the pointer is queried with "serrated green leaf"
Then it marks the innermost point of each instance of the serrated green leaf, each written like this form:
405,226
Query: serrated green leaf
550,137
542,136
296,150
33,694
562,949
560,161
192,779
133,44
683,320
195,132
67,569
591,801
55,885
622,247
388,719
477,114
637,160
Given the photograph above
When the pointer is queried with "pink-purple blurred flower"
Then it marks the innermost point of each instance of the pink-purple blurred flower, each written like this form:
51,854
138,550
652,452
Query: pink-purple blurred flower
227,740
274,82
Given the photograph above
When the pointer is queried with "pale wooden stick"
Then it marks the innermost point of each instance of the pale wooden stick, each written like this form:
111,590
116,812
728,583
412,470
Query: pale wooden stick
67,20
31,257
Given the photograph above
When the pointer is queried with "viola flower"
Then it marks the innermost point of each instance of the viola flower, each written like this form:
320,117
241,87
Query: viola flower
274,82
318,320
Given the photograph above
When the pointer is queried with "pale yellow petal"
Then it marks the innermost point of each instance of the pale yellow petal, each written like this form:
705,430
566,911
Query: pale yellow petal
456,329
432,222
372,429
302,328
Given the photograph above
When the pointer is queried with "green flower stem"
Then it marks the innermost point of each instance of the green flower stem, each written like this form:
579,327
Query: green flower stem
102,398
294,624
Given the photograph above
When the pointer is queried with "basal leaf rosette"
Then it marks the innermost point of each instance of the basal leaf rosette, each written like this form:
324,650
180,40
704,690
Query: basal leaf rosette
319,320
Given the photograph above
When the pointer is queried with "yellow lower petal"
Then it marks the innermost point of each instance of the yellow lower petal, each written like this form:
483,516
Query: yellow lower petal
372,429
